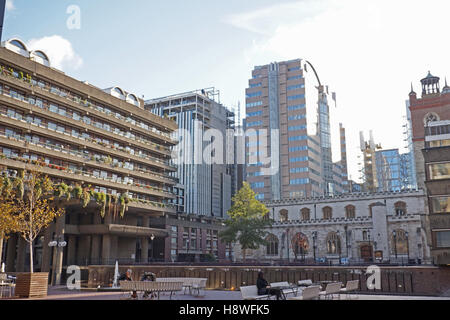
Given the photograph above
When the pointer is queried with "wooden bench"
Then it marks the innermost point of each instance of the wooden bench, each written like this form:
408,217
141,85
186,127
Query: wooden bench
332,289
150,286
251,293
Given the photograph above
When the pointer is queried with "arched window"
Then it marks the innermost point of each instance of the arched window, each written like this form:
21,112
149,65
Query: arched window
306,214
300,245
400,208
327,213
333,243
18,44
364,234
399,242
284,215
272,245
350,212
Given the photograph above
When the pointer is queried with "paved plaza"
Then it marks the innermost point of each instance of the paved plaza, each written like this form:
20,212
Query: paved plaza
208,295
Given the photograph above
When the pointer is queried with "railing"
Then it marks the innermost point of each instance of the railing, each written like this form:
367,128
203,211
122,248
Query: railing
84,103
146,157
86,174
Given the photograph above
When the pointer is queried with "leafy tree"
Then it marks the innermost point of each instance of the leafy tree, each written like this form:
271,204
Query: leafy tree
29,205
248,221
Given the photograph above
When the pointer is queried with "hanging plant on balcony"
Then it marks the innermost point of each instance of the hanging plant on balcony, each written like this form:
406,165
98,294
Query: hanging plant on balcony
100,198
124,200
86,197
77,191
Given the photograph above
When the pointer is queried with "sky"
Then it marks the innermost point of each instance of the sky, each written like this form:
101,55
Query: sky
368,52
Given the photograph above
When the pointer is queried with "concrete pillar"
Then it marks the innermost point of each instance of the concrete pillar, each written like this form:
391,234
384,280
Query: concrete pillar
106,249
11,251
21,252
1,249
146,221
95,249
380,232
46,250
71,250
144,243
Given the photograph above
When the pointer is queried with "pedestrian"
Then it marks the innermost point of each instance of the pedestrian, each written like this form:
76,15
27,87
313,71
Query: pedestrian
264,287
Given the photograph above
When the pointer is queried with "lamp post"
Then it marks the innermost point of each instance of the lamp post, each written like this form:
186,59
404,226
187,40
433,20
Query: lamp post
370,246
187,249
395,244
152,237
407,246
57,245
314,245
339,245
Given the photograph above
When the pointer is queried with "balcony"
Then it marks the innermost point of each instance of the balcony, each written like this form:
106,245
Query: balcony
115,229
83,177
84,143
81,106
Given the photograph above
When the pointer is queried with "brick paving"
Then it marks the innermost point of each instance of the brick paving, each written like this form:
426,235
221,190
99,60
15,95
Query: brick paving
208,295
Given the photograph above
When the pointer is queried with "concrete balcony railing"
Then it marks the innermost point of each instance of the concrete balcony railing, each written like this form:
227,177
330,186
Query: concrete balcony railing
80,125
116,229
80,158
84,178
83,143
81,106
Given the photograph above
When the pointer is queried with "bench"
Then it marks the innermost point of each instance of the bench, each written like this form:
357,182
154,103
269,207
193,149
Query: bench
188,283
286,291
251,293
351,286
309,293
332,289
150,286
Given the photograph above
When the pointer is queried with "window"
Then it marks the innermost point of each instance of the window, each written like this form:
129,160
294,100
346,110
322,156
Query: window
400,208
327,213
333,243
295,128
297,117
295,87
299,170
296,107
255,85
299,181
295,97
254,124
254,94
254,104
439,171
299,159
272,245
442,239
306,214
350,212
257,185
294,69
399,242
300,244
284,215
254,114
440,205
298,138
295,77
260,197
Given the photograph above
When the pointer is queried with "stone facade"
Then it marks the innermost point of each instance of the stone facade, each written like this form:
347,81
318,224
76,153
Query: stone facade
361,225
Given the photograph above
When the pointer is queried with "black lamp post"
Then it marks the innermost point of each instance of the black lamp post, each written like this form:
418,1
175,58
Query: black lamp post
395,244
314,244
58,245
407,246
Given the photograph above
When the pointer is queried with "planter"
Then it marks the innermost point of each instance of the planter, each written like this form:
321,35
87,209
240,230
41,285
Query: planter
32,285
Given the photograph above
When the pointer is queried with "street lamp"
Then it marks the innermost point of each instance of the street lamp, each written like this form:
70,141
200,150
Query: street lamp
57,245
152,237
407,245
395,244
314,244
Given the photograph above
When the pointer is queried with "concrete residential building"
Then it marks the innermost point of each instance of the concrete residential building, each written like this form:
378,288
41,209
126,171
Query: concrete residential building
208,177
352,228
287,100
78,134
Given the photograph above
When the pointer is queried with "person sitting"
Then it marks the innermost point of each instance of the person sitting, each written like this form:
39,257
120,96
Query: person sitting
127,277
148,276
264,287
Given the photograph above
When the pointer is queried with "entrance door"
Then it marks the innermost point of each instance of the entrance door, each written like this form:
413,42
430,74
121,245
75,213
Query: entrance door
367,253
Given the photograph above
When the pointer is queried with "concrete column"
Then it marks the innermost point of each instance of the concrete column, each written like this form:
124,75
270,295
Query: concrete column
21,252
46,250
11,251
95,249
71,250
146,221
106,248
144,243
1,248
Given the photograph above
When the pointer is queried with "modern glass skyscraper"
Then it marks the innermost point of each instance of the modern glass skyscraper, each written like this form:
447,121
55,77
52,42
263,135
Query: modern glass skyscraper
288,147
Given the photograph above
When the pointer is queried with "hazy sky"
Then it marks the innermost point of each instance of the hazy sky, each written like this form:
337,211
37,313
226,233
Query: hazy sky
369,52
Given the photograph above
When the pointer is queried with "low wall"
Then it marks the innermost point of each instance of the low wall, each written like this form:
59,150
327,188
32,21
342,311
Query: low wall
424,280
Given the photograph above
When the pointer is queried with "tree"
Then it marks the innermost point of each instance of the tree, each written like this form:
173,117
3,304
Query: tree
248,221
30,205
